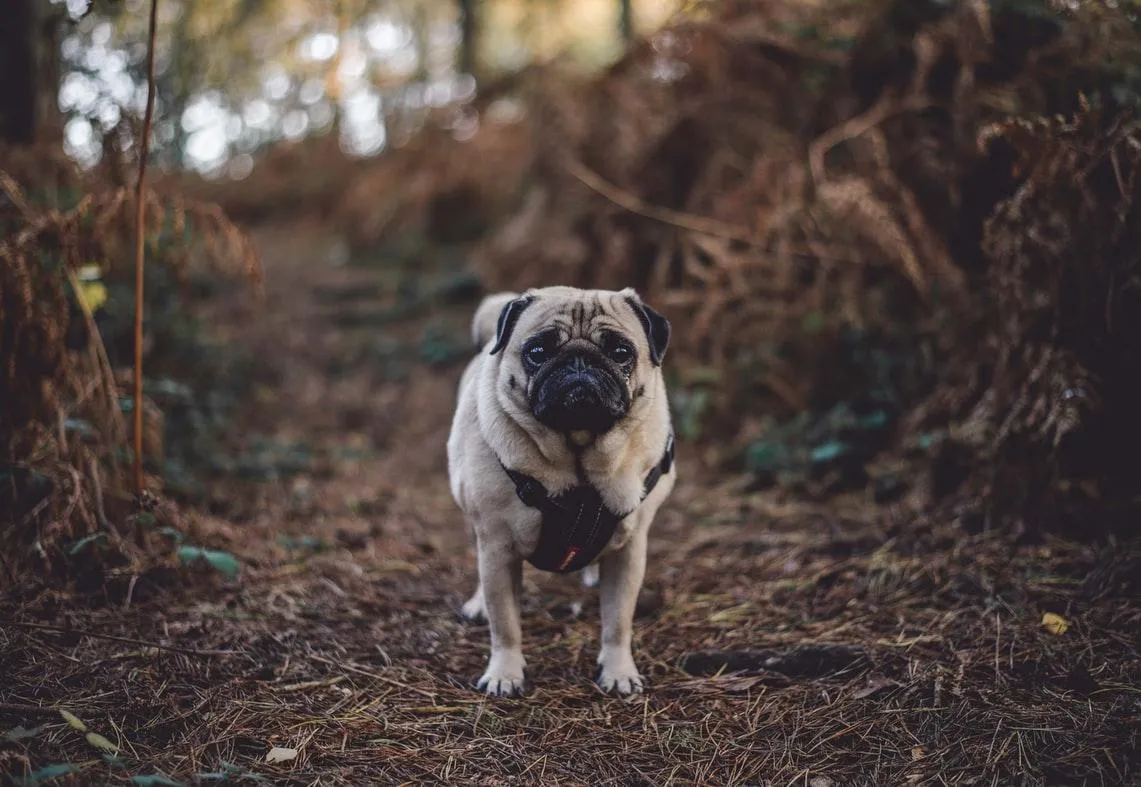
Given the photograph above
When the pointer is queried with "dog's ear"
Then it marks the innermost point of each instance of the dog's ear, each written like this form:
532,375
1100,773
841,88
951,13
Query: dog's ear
507,319
656,326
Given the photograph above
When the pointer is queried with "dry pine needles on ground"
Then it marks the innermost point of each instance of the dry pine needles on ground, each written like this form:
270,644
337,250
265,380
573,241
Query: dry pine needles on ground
777,652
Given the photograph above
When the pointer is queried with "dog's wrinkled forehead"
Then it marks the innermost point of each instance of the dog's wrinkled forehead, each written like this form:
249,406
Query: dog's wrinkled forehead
579,315
583,314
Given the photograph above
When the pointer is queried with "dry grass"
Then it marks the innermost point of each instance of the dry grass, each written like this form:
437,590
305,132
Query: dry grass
62,416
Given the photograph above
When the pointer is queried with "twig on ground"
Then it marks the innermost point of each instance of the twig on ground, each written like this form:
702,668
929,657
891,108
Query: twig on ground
112,638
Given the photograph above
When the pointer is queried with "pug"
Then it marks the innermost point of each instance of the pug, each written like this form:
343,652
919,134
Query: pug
560,454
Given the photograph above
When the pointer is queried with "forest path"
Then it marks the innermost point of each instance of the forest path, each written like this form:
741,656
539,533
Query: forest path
865,650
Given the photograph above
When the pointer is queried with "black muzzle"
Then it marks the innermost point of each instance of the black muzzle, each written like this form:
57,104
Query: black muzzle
580,391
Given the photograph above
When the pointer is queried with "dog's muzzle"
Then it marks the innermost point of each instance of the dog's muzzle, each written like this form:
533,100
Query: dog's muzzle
580,391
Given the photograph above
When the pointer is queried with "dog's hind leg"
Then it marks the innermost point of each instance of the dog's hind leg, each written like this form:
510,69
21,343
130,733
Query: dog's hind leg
590,576
474,610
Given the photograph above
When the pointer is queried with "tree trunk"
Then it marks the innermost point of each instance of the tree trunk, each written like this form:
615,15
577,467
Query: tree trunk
469,34
421,23
19,42
332,77
626,20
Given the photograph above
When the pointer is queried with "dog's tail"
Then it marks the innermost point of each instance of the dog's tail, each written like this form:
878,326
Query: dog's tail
487,316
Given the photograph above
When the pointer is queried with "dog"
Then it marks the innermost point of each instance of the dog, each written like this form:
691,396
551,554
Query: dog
561,453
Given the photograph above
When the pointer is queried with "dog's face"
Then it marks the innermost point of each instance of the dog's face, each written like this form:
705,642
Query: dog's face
578,360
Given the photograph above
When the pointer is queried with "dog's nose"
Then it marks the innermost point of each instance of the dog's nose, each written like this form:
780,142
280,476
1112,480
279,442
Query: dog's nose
580,394
578,363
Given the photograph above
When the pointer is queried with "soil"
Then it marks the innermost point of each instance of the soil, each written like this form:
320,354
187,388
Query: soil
784,641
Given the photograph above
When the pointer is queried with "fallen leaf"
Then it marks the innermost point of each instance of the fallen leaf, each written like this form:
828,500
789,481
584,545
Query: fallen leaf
732,614
281,754
93,294
73,720
1055,624
384,566
99,742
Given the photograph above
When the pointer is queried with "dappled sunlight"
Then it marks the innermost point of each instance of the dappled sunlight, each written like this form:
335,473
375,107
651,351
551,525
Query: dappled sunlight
379,65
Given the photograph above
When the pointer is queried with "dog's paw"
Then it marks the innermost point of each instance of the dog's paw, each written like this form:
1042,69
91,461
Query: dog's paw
618,675
590,576
504,676
621,683
474,610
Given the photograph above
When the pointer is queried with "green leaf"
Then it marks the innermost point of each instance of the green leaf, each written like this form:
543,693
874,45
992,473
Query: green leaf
874,420
155,780
222,561
930,439
828,451
79,545
47,773
73,720
766,456
19,733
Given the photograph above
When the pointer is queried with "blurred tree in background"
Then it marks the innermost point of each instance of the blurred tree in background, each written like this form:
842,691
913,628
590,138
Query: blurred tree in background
235,75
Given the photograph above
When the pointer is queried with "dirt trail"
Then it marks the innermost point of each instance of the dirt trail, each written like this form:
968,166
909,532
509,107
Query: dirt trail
864,650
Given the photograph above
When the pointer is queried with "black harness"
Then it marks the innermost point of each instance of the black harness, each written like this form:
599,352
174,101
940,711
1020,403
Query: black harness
576,524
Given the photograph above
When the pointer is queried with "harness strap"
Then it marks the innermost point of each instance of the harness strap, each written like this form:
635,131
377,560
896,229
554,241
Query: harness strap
576,524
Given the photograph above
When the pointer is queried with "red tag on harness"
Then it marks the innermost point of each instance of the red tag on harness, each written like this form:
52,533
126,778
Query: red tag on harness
568,559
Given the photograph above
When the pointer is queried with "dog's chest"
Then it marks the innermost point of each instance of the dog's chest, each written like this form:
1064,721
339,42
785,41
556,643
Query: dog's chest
579,523
574,526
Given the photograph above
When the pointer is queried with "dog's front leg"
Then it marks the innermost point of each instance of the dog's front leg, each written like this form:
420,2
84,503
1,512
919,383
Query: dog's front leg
620,579
501,580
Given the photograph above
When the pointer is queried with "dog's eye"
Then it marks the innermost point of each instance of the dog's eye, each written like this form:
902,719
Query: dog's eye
536,354
620,352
